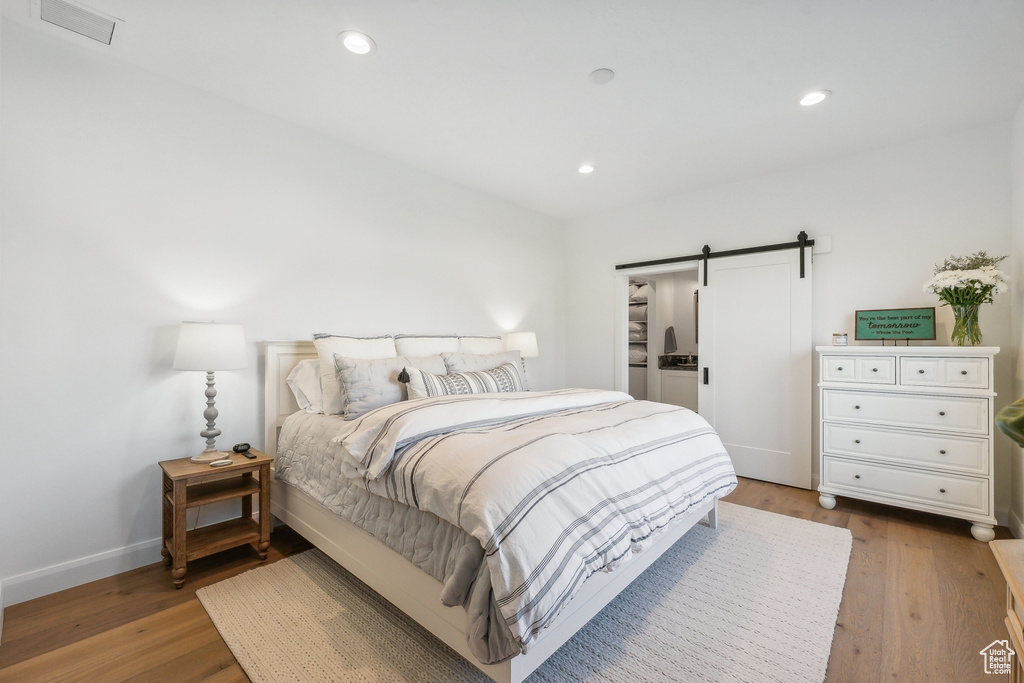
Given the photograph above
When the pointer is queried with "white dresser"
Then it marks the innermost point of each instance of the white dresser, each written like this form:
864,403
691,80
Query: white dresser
910,426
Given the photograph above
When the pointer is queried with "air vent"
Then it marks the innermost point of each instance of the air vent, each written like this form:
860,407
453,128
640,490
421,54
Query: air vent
82,20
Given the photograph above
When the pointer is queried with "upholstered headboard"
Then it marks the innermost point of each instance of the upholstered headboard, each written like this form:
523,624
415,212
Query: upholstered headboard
278,401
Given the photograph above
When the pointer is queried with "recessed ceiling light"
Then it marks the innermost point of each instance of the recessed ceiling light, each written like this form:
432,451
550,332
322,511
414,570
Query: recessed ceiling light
585,169
601,76
815,97
357,42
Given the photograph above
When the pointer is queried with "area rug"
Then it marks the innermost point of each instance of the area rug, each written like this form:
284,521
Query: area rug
754,600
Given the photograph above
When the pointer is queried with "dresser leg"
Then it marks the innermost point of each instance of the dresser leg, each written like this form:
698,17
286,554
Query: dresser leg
983,532
826,501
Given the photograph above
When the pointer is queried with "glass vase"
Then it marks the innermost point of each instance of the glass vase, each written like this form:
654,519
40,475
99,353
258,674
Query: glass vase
966,331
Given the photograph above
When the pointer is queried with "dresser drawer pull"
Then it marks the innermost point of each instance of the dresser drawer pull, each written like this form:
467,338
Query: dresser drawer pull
942,412
840,368
963,372
856,476
874,369
942,451
920,372
942,490
856,440
856,407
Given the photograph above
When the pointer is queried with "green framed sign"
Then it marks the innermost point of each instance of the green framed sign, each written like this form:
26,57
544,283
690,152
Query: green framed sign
896,323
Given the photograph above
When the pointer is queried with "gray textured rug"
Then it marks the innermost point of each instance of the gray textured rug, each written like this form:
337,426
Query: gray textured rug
754,600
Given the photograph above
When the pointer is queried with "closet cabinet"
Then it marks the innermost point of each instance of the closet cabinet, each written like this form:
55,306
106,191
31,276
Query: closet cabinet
639,292
910,426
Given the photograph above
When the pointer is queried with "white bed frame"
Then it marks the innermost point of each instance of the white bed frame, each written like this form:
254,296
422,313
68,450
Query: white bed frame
402,583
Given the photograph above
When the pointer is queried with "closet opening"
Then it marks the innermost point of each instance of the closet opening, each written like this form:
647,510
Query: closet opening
657,336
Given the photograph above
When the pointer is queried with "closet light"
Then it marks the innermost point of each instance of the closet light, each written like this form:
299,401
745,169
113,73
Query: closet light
815,97
585,169
357,42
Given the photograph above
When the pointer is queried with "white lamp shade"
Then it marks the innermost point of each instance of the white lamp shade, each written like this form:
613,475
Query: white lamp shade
210,346
523,342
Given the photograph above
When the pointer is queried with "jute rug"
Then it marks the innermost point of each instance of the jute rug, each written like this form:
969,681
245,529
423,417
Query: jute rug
754,600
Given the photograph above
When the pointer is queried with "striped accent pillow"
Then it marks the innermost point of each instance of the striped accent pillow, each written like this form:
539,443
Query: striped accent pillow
500,379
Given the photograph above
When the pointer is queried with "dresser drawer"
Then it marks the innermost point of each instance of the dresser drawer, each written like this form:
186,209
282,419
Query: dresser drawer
971,373
948,413
866,369
955,453
947,491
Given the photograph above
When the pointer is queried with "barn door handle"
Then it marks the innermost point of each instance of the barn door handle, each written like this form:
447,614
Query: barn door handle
706,376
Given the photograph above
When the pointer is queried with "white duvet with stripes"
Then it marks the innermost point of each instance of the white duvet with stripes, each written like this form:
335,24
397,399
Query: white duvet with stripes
554,485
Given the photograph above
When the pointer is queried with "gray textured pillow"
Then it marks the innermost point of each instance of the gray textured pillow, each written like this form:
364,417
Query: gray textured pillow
329,345
372,383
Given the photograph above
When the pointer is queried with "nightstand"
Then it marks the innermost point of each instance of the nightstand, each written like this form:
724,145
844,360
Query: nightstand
187,484
1010,556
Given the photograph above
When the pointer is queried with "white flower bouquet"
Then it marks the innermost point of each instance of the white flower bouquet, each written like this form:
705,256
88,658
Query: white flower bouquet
964,283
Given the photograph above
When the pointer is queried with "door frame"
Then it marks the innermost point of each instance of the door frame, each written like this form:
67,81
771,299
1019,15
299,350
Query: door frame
621,374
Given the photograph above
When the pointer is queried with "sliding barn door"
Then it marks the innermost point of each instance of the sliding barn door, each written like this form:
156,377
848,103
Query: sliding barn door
755,357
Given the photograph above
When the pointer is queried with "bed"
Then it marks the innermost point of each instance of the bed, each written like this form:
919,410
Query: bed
404,582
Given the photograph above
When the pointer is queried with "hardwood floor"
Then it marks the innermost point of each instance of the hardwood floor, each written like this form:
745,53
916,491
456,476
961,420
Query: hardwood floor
922,598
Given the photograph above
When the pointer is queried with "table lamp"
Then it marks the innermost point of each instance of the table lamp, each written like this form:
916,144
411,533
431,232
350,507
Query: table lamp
210,347
523,342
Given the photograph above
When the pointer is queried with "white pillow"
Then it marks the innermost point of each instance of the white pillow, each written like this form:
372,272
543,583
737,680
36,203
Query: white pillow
329,345
480,345
637,353
500,379
638,312
371,383
643,293
304,381
480,362
421,345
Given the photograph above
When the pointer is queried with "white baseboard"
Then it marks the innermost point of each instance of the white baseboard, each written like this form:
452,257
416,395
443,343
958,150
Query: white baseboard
59,577
35,584
1016,525
1,611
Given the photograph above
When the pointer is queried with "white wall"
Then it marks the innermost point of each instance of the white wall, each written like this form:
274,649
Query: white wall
891,214
1016,271
131,203
2,603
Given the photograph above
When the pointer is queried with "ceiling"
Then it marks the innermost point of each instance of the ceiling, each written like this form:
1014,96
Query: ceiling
495,95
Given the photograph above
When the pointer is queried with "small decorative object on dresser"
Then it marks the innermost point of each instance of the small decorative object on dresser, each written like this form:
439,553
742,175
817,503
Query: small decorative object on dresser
964,283
911,427
187,484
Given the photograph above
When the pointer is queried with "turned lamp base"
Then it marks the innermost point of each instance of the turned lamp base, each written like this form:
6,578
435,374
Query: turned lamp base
210,456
